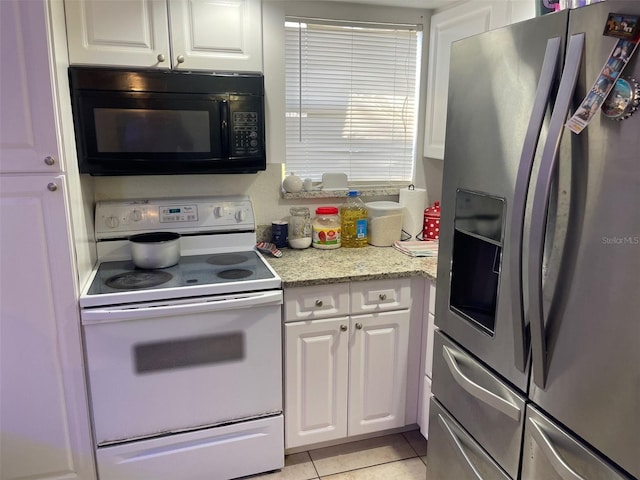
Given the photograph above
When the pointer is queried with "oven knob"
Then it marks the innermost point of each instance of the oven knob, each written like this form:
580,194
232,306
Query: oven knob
241,216
221,211
112,222
136,215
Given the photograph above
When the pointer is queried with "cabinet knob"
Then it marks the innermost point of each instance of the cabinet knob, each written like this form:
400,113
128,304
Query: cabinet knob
343,328
52,187
180,58
318,303
161,57
382,296
49,160
359,326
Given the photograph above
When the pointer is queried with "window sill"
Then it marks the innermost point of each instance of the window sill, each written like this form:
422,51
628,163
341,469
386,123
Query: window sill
365,191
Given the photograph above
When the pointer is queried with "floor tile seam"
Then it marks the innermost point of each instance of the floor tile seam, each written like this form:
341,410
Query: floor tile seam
313,464
320,477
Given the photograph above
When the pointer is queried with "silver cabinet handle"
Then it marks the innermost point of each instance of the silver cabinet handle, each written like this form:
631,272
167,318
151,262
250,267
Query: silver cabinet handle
343,328
318,303
502,405
359,326
543,92
180,59
52,187
540,207
382,296
558,464
49,160
161,57
458,447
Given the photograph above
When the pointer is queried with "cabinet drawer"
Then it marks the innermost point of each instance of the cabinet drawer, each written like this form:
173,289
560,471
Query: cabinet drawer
380,295
318,301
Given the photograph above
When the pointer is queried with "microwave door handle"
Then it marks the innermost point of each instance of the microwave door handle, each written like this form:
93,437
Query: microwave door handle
224,129
540,206
543,93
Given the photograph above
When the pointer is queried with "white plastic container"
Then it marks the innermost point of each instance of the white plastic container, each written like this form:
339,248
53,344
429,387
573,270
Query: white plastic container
385,223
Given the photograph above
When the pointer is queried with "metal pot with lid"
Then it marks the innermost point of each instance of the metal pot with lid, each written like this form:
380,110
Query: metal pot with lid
155,249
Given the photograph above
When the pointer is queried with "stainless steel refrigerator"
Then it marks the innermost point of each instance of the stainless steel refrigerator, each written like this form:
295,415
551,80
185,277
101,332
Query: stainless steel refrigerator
537,350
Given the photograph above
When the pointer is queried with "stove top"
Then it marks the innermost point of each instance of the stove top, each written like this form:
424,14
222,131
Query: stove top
118,282
217,248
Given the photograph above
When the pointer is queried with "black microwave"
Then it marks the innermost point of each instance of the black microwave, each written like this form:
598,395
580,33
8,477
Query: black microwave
151,122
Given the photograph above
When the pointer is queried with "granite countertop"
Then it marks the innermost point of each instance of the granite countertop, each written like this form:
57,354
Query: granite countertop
313,266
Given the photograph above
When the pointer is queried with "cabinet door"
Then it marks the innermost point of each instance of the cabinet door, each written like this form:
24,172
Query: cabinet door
27,127
378,371
465,20
316,375
221,35
125,32
43,414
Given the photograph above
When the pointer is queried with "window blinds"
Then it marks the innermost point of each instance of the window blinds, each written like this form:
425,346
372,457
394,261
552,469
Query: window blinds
351,99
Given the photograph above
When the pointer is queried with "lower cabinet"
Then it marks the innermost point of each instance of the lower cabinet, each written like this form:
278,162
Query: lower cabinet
427,355
345,375
44,419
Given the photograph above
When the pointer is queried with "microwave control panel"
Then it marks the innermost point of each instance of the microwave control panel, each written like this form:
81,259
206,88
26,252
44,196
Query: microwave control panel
246,134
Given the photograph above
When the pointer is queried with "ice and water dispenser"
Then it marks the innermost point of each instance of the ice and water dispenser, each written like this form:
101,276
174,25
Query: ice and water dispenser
477,258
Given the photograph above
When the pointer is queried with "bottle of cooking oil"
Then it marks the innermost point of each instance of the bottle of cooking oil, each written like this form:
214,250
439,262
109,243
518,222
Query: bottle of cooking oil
353,216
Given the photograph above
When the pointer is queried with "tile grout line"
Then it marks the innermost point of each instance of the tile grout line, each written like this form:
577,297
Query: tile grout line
364,468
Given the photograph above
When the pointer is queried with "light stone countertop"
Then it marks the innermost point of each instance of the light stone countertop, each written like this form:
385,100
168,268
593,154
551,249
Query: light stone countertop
313,266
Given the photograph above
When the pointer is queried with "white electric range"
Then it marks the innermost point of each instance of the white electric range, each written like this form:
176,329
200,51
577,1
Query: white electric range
184,364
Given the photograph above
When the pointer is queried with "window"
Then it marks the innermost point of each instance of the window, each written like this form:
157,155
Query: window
351,99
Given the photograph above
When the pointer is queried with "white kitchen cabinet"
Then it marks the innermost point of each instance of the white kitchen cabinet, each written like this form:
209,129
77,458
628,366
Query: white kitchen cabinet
45,430
214,35
27,119
346,371
461,21
43,410
316,380
378,371
427,350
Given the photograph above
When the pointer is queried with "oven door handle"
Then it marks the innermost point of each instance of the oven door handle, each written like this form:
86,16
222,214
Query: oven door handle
164,309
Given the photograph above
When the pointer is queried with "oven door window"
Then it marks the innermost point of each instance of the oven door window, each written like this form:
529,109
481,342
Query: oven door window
151,127
189,352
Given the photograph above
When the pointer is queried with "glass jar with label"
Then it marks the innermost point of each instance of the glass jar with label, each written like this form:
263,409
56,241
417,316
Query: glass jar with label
326,228
299,227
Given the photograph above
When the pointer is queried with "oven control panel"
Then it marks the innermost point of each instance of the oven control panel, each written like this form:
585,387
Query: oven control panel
119,219
176,213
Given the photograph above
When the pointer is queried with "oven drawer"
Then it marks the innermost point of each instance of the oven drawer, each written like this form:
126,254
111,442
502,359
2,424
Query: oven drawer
317,301
210,454
492,412
380,295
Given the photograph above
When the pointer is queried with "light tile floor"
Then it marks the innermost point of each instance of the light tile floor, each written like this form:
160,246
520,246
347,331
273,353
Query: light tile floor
401,456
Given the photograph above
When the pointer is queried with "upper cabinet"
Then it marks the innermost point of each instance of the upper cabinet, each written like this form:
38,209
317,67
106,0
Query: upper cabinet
463,20
27,117
214,35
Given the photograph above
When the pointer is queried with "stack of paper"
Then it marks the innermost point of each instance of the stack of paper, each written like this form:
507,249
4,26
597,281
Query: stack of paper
427,248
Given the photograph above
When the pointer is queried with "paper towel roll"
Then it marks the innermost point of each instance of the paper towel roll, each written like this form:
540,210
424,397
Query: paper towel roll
414,202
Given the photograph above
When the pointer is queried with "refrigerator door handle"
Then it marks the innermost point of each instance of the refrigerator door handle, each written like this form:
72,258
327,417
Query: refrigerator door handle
559,465
495,401
541,206
543,94
458,447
